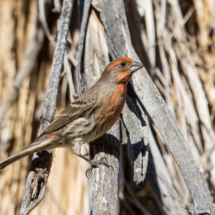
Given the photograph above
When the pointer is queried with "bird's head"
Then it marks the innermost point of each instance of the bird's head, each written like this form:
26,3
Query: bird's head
121,70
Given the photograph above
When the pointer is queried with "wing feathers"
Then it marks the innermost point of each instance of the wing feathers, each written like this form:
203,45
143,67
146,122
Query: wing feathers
74,111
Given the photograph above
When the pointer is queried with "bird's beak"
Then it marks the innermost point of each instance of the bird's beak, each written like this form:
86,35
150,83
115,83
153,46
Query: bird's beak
136,66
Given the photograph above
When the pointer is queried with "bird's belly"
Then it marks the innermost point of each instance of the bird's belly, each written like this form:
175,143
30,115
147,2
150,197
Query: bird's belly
79,130
87,129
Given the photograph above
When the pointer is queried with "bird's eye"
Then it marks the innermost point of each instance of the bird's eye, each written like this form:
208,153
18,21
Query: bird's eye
122,64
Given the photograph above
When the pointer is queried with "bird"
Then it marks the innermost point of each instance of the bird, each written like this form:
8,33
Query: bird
90,116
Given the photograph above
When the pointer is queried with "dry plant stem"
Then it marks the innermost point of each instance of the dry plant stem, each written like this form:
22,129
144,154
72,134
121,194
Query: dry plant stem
135,126
161,116
42,17
104,181
169,196
150,30
87,4
100,181
151,99
156,108
137,137
43,159
72,93
30,57
57,6
38,200
111,21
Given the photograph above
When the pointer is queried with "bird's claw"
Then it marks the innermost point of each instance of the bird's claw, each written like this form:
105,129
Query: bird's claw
95,164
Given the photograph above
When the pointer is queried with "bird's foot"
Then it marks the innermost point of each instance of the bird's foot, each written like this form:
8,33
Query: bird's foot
95,164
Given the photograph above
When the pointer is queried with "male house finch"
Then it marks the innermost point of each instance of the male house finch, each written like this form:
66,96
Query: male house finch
89,116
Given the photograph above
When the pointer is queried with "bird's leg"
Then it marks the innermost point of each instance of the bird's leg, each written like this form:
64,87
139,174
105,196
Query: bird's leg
76,148
82,156
93,163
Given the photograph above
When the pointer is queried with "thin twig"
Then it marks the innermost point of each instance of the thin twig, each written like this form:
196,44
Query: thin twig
72,92
81,43
42,16
43,159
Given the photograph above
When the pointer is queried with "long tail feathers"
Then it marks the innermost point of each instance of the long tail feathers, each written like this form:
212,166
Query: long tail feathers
37,146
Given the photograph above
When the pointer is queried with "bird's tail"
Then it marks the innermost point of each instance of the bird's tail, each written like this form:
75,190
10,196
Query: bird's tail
39,145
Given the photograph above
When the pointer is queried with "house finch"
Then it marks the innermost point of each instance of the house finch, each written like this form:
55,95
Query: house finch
89,116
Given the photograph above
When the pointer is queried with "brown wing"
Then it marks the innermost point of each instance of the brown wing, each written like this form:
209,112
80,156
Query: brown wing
74,111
